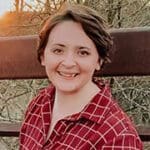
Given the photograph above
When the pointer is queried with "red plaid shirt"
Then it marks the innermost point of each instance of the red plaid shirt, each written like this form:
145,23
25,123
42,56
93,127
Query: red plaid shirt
101,125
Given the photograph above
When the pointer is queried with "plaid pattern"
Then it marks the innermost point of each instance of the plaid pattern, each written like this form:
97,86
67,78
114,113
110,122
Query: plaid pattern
101,125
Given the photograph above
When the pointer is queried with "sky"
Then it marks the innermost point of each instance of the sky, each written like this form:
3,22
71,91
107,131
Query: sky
5,5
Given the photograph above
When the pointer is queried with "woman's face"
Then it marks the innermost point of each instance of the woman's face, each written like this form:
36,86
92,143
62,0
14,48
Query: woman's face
70,57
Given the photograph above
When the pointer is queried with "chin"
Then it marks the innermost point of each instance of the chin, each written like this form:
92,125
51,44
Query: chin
67,89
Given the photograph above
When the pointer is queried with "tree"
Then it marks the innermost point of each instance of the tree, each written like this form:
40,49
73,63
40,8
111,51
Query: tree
123,13
16,5
19,5
47,6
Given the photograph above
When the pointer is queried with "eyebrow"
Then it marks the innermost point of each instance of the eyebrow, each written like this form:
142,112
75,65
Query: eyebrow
58,44
83,47
80,47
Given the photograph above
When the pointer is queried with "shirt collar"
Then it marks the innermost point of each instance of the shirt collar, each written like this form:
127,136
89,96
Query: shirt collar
98,107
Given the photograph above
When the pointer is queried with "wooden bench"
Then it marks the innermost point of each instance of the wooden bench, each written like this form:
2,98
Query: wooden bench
131,58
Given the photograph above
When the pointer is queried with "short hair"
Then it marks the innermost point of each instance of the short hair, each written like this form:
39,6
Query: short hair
93,25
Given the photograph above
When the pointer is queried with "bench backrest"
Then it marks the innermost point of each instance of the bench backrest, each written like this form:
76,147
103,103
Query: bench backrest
131,57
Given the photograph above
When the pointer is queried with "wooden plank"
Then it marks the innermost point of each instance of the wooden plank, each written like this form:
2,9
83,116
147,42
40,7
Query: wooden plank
144,132
131,55
18,58
9,129
13,129
131,52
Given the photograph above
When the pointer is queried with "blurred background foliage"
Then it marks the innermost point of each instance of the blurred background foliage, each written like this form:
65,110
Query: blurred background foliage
132,93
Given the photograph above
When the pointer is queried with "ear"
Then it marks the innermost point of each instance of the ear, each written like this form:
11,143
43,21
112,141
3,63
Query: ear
99,64
42,60
98,67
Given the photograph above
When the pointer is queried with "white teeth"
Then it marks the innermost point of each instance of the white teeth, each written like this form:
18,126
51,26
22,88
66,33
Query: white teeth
67,74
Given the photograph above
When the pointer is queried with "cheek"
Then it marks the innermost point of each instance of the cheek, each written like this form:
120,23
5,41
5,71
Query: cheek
88,67
50,60
90,63
50,65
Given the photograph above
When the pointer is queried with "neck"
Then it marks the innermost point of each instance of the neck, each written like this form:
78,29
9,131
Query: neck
76,100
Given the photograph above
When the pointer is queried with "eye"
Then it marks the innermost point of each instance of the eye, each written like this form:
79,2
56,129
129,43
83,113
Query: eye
83,53
57,51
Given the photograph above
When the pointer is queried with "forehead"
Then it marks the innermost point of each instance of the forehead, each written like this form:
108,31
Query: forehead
69,32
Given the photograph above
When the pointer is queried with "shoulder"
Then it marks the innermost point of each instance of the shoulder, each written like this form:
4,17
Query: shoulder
42,97
117,121
113,116
116,126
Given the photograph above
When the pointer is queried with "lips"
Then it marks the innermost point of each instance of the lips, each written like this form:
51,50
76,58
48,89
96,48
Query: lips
67,74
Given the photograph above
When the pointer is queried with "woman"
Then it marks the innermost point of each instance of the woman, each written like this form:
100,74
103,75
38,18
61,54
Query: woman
76,112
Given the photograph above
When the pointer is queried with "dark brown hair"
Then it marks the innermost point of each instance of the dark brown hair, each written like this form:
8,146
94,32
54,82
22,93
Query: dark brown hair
92,24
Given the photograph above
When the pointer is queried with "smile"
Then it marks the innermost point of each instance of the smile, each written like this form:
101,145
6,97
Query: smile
67,75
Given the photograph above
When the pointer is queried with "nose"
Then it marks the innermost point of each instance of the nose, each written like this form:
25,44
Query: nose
69,60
